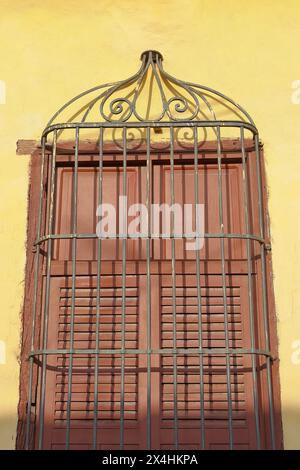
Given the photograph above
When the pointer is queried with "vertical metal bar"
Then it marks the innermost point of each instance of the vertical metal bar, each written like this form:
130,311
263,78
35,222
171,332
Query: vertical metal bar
47,295
74,252
221,221
97,334
35,289
148,204
173,289
264,292
250,292
124,242
199,297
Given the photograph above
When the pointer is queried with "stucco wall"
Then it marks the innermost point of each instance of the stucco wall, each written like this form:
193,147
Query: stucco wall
52,50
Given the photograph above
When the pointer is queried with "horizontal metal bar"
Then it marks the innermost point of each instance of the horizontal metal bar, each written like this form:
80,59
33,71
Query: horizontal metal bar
151,124
193,100
164,236
204,351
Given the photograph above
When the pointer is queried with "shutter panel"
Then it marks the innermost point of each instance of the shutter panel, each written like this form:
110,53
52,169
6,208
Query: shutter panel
208,195
83,372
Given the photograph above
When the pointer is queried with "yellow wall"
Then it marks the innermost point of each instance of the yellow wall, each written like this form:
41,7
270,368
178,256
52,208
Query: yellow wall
52,50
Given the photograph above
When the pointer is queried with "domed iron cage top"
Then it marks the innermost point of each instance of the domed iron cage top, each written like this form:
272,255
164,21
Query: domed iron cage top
152,112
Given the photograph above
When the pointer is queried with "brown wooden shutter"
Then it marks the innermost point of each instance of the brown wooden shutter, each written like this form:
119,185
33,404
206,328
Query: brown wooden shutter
167,413
215,381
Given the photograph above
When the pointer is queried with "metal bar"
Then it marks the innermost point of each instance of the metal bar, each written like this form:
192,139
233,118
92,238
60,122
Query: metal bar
222,248
34,307
99,251
74,252
47,296
123,339
173,255
148,204
250,291
204,351
264,294
199,297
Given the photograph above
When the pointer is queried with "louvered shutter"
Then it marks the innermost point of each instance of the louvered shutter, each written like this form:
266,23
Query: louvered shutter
83,371
214,366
